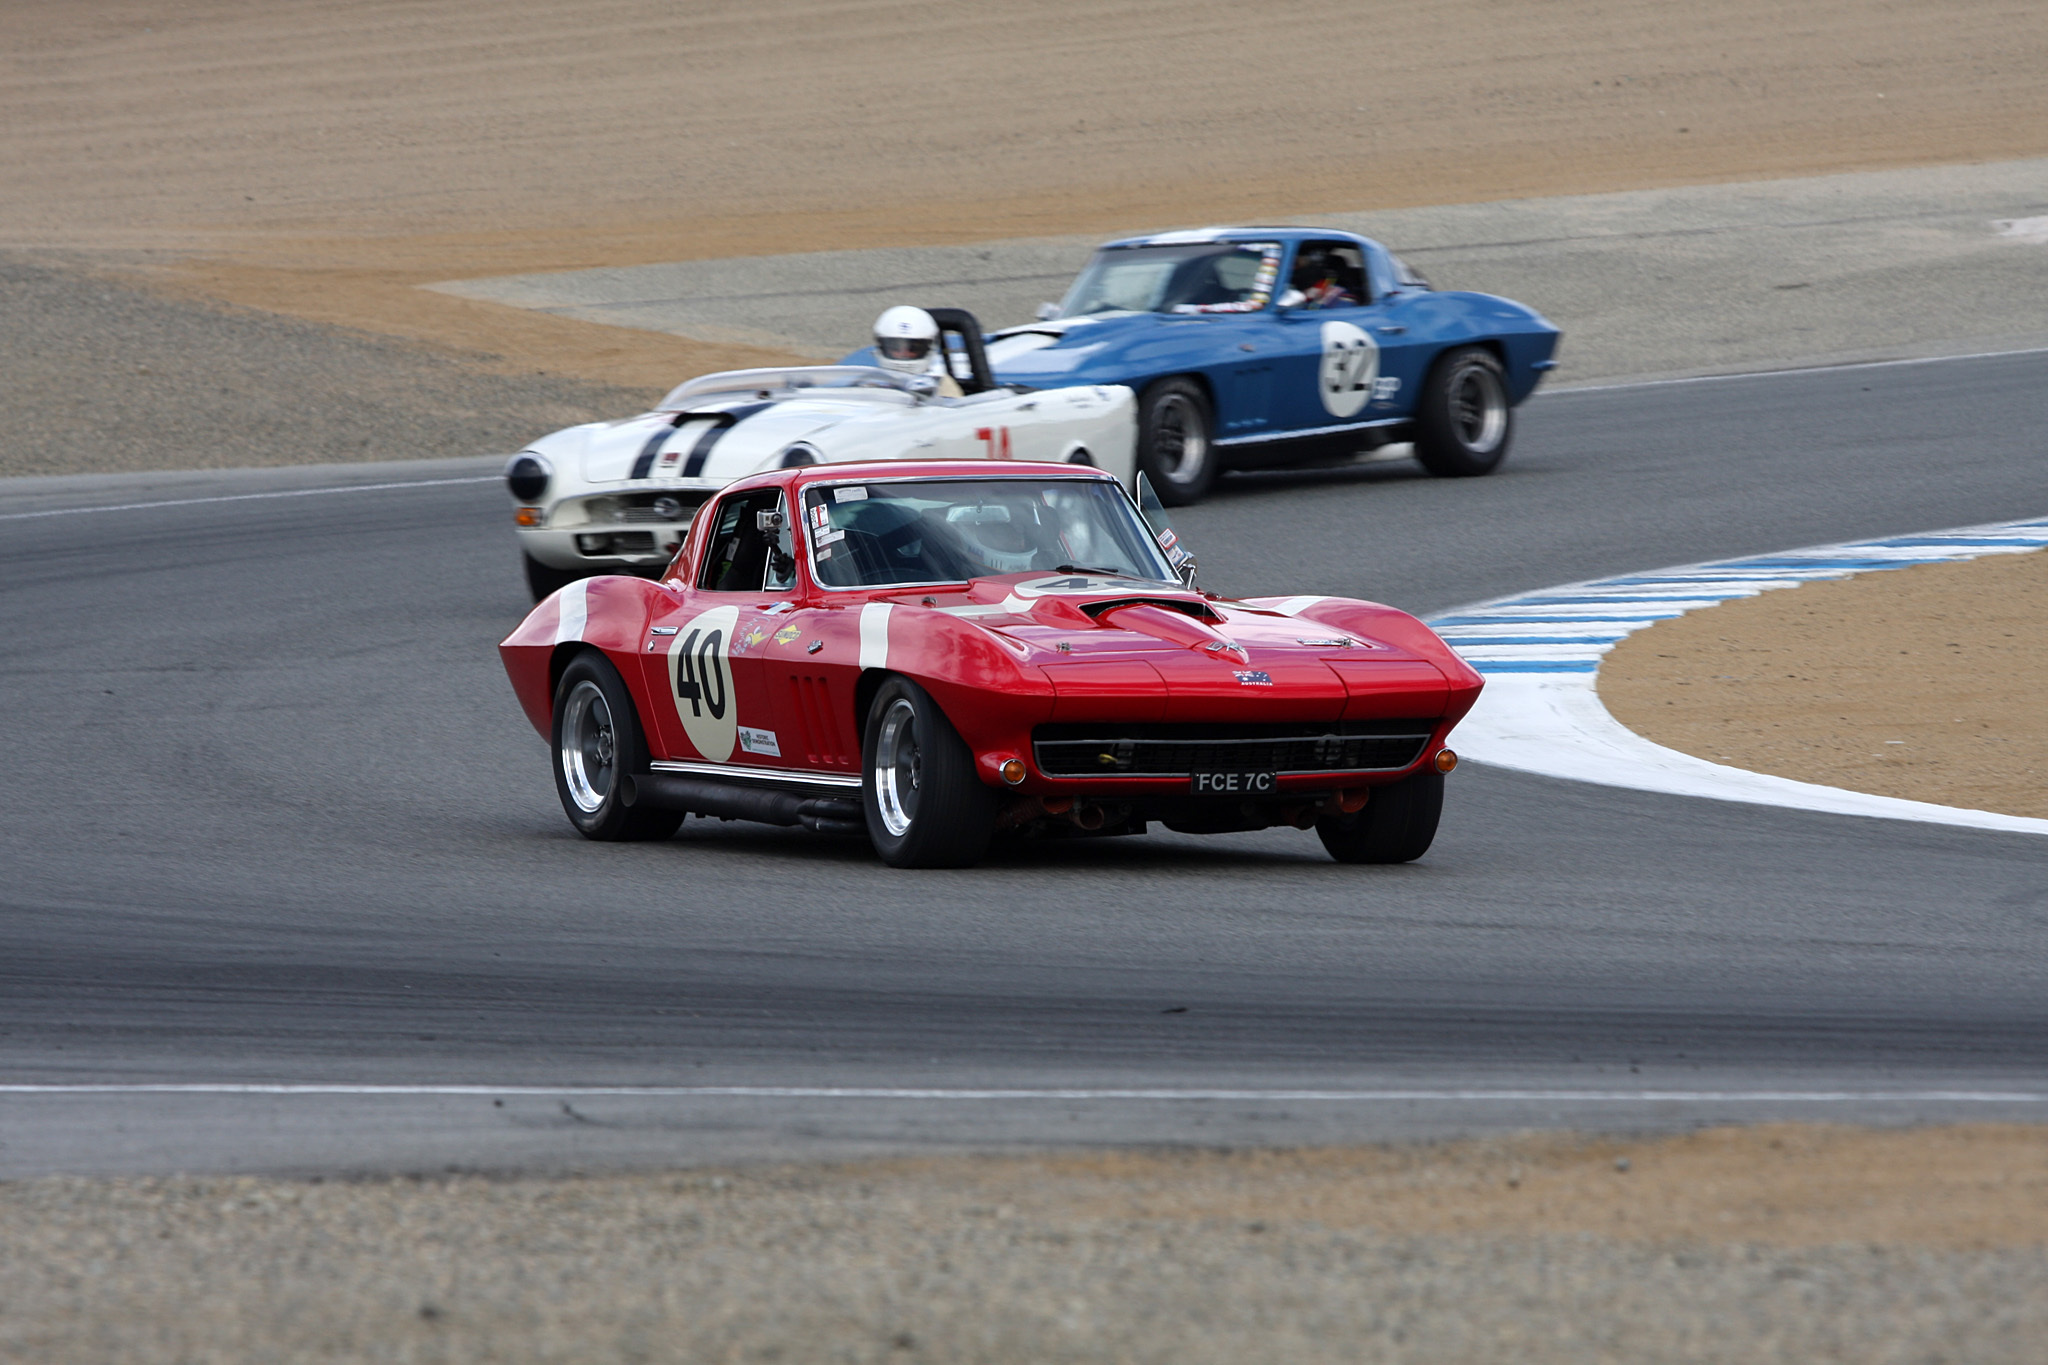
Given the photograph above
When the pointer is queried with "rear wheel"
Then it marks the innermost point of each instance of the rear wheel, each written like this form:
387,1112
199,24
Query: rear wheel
1464,425
1396,826
598,745
925,805
1174,441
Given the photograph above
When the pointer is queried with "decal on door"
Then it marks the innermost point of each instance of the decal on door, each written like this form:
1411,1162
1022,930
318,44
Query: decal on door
1350,369
995,442
700,681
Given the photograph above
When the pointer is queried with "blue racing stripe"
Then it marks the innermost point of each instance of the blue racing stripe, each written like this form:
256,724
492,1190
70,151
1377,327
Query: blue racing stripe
700,452
645,461
1457,640
1534,665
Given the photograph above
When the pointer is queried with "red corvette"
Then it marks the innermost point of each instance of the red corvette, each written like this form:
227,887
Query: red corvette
931,654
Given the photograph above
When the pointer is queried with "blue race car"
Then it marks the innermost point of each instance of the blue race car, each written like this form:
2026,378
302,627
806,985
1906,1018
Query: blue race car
1258,346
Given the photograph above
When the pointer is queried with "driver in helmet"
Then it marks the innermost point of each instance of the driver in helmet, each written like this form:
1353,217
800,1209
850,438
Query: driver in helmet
907,341
1318,275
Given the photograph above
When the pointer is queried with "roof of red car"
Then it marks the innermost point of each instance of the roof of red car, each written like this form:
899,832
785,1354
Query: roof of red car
923,469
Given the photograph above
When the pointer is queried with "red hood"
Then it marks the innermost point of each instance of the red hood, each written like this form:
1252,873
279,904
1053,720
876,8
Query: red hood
1094,634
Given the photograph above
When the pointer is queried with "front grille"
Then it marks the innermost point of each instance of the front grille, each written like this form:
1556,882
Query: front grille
642,516
1181,750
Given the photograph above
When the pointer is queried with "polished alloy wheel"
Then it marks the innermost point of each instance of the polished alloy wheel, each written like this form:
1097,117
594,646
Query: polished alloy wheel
590,746
1180,442
1479,407
899,767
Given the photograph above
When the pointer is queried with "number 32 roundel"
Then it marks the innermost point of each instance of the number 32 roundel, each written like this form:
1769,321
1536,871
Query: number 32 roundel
700,680
1351,363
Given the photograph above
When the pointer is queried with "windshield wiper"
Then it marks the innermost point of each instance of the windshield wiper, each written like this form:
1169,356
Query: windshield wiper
1089,568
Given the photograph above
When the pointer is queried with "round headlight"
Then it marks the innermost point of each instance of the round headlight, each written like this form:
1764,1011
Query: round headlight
668,509
527,477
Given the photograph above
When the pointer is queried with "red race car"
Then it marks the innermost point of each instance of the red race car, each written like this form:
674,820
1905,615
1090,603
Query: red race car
932,654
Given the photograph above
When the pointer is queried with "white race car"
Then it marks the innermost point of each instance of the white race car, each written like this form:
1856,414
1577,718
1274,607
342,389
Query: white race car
616,497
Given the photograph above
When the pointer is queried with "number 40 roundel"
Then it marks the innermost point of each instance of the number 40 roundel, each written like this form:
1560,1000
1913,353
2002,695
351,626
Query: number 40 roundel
700,681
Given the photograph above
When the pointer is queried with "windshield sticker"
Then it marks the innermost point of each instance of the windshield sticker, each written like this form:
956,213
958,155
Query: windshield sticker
852,494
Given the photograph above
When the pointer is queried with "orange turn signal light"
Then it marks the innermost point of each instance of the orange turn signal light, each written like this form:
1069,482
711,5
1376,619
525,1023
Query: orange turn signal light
1013,771
1445,760
526,516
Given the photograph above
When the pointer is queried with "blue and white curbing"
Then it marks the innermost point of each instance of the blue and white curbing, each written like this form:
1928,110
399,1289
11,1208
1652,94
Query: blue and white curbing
1541,652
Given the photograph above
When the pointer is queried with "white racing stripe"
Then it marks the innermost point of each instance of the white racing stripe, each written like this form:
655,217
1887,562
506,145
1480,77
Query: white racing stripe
801,1092
874,635
247,497
575,605
1541,652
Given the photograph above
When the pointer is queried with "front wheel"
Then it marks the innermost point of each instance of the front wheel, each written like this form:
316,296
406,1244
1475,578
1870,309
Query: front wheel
1174,443
598,745
925,805
1463,425
543,580
1397,825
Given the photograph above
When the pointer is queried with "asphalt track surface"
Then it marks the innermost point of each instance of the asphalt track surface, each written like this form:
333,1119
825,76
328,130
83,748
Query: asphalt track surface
272,816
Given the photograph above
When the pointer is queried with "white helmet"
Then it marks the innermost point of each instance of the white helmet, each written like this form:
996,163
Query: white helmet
904,340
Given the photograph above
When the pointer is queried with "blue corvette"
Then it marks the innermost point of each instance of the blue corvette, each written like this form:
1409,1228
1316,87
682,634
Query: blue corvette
1258,346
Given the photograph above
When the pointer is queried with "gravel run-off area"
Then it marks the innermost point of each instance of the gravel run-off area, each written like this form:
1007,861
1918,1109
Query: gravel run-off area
1749,1247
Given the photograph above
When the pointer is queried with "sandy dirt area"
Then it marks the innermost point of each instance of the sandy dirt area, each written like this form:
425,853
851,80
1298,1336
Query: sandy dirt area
1776,1244
1924,683
320,160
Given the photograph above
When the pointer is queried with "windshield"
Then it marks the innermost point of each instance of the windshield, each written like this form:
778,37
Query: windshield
1194,277
918,531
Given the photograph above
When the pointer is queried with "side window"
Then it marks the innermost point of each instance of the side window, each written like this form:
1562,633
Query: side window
1330,274
749,546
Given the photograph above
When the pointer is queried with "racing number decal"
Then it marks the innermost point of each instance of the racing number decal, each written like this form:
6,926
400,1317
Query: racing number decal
1350,368
700,681
995,442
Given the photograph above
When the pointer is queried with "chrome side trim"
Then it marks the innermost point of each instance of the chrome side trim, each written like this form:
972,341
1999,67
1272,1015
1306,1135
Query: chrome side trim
1260,437
745,772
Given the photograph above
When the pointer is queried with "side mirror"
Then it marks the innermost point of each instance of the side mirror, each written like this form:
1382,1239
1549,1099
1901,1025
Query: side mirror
1046,312
1292,298
923,386
1156,521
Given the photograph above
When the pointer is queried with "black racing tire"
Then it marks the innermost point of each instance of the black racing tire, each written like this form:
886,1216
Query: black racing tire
545,579
1464,423
1177,440
925,804
597,743
1396,826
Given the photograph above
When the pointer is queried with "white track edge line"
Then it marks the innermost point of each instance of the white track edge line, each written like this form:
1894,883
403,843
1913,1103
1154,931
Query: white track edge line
1554,723
246,497
1475,1094
1819,368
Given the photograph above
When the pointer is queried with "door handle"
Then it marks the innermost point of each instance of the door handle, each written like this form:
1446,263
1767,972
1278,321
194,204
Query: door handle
1391,328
